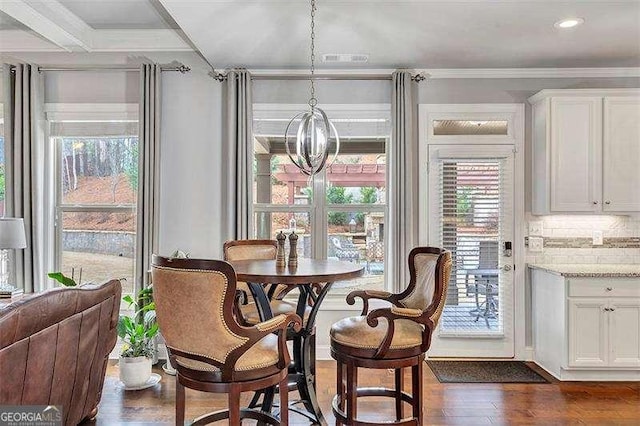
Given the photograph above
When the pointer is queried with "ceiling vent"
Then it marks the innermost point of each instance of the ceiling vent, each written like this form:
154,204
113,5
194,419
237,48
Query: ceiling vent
344,57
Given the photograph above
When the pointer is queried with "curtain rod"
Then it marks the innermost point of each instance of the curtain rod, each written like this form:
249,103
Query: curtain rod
379,77
180,68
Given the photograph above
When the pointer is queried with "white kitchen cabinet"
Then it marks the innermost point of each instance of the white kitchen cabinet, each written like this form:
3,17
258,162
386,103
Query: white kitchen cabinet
624,332
588,333
621,154
586,147
586,328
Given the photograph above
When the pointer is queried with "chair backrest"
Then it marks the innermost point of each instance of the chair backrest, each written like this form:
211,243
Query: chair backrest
194,302
430,269
488,256
55,345
250,250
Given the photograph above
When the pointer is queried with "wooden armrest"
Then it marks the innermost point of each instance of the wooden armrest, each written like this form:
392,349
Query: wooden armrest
365,295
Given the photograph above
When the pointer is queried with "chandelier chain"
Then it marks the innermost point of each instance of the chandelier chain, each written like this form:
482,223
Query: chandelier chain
313,101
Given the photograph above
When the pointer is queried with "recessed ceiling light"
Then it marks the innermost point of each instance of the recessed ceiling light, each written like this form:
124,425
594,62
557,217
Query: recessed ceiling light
569,23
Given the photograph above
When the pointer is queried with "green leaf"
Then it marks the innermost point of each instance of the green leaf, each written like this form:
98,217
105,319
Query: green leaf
62,279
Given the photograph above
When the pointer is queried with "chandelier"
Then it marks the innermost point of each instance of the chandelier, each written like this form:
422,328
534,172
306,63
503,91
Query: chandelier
315,133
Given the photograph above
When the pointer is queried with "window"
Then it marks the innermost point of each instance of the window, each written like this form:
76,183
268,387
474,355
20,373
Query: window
96,168
341,213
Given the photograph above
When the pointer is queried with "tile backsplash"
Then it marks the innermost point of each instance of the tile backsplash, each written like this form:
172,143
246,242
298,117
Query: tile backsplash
568,239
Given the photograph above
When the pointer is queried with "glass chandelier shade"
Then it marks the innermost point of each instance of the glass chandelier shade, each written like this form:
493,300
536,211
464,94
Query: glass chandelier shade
315,134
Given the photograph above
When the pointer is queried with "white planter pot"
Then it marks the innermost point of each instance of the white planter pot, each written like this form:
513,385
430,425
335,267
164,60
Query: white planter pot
135,371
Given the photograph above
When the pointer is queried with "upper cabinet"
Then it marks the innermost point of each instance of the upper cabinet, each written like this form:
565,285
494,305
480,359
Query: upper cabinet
586,151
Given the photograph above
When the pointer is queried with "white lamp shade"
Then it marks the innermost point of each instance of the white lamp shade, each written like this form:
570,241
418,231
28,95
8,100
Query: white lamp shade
12,233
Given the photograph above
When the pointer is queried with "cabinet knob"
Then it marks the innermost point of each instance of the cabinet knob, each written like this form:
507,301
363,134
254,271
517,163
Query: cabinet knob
595,202
607,202
609,288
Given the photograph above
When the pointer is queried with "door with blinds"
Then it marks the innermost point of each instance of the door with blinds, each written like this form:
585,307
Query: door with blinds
471,209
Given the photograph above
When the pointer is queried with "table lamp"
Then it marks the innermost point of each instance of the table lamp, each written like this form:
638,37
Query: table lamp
12,236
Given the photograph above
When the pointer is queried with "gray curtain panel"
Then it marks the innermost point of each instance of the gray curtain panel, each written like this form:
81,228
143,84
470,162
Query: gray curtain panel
24,169
403,178
237,150
148,171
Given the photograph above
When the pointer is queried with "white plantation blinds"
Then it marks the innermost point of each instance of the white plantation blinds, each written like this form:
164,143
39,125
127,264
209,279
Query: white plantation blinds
475,211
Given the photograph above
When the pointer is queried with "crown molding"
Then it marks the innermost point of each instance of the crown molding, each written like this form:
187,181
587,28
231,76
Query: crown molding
614,72
547,93
472,73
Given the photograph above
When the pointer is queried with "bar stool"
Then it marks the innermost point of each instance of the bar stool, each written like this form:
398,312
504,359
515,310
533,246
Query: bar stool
396,343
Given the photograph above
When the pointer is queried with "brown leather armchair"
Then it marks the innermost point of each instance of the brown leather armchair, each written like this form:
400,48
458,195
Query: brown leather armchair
54,348
210,350
398,341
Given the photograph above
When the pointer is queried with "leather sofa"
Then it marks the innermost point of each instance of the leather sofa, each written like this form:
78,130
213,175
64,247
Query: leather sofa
54,348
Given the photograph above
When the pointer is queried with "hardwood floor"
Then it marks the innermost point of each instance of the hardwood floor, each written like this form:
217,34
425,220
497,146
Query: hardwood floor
444,404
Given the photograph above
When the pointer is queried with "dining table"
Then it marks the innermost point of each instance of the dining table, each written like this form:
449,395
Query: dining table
312,278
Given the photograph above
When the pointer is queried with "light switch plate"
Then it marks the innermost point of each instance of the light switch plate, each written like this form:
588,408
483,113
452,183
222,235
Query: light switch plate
536,228
536,244
597,238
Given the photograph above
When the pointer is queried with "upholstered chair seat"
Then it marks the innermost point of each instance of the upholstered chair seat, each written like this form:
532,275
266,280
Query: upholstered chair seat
356,333
391,338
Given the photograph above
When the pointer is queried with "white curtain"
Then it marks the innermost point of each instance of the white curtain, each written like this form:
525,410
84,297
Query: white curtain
403,178
24,169
237,156
148,171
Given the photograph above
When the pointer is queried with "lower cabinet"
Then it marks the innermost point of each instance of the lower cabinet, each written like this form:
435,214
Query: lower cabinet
588,333
586,328
604,332
624,333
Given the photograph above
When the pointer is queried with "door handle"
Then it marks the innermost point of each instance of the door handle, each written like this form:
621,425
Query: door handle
507,268
609,288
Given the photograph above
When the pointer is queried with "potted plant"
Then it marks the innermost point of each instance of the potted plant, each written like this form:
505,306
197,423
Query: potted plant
137,332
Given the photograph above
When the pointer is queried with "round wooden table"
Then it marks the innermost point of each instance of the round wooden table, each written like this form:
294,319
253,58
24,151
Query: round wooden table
310,274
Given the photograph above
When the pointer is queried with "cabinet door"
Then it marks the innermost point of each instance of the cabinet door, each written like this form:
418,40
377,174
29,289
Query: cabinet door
624,332
621,154
576,147
588,340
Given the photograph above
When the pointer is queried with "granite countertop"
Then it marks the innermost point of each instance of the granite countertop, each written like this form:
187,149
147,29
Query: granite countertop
591,270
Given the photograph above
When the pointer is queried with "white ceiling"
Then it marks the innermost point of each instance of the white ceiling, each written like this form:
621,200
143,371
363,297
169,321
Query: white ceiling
121,14
418,33
275,33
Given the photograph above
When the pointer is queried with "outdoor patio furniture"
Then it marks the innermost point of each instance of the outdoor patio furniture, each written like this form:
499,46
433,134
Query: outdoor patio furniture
346,250
375,257
484,282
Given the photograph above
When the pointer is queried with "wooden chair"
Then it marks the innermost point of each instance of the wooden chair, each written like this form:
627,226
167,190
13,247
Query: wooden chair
258,250
398,342
210,350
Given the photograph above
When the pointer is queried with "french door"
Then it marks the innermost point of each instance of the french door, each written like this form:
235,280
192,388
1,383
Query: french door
471,213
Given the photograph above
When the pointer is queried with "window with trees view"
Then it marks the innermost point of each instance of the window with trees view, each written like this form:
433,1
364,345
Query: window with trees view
341,213
97,182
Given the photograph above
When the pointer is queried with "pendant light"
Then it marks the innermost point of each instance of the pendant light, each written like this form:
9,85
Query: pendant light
315,133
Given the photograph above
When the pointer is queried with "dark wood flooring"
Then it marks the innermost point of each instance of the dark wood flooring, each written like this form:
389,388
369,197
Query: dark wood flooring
451,404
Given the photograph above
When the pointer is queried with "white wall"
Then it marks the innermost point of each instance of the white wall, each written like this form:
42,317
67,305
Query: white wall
190,182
